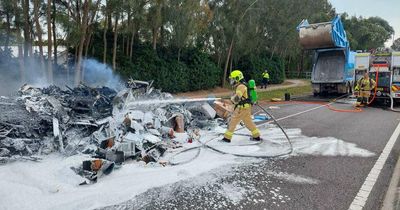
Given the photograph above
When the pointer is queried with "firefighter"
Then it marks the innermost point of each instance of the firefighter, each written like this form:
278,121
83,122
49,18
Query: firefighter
364,85
242,111
265,79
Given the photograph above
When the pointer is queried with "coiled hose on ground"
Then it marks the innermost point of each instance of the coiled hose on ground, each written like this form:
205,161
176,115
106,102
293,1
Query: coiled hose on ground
206,145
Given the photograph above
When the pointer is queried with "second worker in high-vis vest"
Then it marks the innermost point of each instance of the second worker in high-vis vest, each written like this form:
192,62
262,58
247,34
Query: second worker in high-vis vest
265,79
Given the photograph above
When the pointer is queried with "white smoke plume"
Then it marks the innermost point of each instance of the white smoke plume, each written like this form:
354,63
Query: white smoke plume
94,74
99,74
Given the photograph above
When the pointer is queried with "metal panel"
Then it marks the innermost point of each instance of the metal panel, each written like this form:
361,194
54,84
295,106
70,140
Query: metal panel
362,61
322,35
396,59
316,36
329,67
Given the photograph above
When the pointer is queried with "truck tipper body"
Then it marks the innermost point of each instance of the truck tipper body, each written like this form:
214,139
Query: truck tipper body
333,62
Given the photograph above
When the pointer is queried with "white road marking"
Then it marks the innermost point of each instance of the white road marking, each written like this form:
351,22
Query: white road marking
362,196
299,113
289,116
292,115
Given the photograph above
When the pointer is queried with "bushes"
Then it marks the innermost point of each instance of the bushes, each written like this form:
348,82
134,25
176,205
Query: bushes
254,65
194,70
203,74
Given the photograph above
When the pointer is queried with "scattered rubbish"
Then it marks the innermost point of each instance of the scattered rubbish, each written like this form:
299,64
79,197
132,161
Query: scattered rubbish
93,169
179,127
287,96
276,99
108,126
261,117
223,109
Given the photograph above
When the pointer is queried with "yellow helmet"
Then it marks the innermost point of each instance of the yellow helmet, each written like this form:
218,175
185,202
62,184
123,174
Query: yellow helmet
236,76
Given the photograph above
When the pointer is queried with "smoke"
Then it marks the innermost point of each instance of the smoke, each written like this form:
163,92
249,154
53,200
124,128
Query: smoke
94,74
99,74
11,78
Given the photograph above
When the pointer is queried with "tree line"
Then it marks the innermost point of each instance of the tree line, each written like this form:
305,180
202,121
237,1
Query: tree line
175,40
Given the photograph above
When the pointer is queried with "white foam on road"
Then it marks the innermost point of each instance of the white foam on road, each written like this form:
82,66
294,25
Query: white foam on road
51,184
232,192
275,143
293,178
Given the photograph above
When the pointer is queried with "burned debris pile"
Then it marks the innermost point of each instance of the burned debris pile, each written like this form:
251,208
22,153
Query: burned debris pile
139,123
30,122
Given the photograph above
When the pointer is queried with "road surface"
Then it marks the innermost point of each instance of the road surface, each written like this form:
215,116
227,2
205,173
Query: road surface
298,181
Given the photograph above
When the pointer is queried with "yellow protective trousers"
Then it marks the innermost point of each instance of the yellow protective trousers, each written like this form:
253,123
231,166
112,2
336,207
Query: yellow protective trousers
363,97
242,114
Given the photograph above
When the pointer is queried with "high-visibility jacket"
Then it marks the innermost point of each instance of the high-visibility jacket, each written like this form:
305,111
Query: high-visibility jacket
240,98
365,84
265,75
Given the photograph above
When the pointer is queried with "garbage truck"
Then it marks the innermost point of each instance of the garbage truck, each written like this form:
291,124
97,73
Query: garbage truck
333,62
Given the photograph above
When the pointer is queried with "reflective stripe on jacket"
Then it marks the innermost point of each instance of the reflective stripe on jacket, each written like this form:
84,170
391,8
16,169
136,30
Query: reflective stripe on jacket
366,84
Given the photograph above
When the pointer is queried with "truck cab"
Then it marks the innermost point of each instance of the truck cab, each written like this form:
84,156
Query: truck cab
395,66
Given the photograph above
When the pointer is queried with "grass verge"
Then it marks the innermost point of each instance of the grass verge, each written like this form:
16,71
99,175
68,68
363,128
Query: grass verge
280,93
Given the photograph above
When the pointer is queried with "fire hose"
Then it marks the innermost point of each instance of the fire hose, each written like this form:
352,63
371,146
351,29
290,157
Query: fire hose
375,93
376,86
326,104
392,104
207,146
290,151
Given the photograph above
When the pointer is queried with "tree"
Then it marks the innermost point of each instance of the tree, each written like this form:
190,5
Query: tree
396,45
83,24
7,8
49,44
53,23
114,60
82,13
27,30
367,33
186,20
105,13
140,37
155,19
21,61
39,32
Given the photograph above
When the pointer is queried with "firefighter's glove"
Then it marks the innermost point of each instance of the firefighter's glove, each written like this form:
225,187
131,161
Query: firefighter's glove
357,88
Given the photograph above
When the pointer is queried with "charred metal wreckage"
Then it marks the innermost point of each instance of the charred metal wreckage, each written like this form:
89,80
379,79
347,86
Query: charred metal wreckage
111,127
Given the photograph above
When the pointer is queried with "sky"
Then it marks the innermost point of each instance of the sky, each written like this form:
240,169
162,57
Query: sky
386,9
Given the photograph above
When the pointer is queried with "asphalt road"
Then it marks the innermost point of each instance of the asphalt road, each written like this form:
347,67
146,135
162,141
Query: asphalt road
337,178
